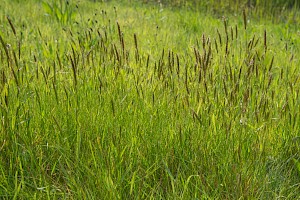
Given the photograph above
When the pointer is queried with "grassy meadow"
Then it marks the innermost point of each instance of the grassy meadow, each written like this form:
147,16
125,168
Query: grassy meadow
141,100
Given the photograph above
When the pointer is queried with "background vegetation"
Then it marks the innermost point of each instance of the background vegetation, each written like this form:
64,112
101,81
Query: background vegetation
110,100
232,3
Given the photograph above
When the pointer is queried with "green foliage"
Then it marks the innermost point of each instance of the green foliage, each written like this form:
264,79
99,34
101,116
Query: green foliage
261,8
61,10
147,102
255,3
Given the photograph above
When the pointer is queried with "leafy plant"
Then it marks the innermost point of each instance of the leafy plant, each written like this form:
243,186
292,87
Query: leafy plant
61,10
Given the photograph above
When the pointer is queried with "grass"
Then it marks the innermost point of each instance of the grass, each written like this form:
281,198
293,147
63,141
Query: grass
142,101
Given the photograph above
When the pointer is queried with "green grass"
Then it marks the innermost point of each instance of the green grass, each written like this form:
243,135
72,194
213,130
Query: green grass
142,101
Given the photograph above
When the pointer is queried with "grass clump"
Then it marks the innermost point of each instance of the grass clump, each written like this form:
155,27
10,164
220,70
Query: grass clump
142,102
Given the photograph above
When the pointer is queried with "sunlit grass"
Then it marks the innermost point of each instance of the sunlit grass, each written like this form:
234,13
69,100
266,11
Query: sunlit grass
145,101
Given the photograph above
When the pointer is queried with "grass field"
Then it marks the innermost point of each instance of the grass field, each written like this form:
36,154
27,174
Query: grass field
131,100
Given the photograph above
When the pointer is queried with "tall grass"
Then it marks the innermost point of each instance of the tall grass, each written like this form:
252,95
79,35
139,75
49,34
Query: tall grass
147,103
